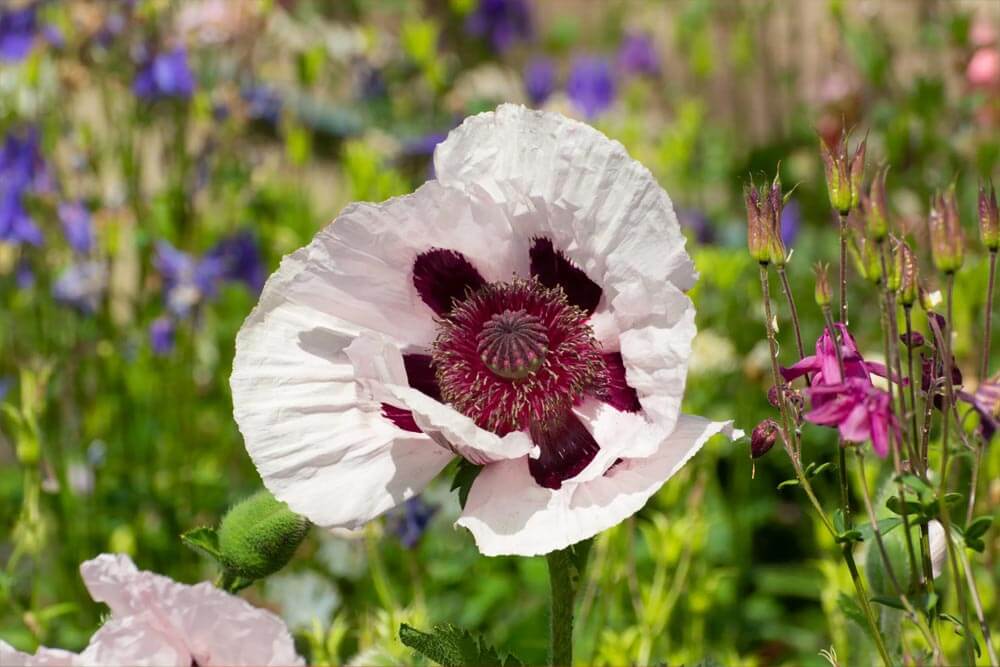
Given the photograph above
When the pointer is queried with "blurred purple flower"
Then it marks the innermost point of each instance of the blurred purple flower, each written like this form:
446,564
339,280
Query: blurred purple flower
24,276
411,520
22,171
263,103
5,384
76,226
187,281
18,28
539,80
503,22
791,222
114,25
591,86
164,75
81,285
240,260
161,335
637,55
986,402
698,222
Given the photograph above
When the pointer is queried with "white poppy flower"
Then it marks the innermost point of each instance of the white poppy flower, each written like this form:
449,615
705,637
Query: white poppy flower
526,310
156,621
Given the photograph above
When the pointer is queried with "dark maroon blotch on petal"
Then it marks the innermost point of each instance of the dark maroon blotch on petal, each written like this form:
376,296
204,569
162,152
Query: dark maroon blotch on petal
552,269
400,417
420,374
443,277
618,394
566,449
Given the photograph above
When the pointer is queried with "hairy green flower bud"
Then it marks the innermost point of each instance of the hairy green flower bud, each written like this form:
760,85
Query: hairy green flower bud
947,239
908,278
764,207
843,173
989,218
876,208
823,296
259,535
857,171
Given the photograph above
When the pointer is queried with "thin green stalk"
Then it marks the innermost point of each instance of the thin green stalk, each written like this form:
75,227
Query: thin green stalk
978,604
843,268
914,431
561,619
984,369
793,311
945,416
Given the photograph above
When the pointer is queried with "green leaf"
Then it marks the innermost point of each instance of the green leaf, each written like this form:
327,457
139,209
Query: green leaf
885,526
888,601
838,520
788,482
978,527
203,539
853,535
465,475
849,608
952,499
454,647
916,484
813,471
896,507
975,544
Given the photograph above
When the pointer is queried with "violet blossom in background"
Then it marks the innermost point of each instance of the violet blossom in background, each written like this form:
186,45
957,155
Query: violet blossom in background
187,280
791,222
263,103
986,402
411,520
18,29
81,285
22,171
161,335
240,260
698,222
24,275
164,75
591,85
502,22
850,402
539,80
77,227
637,55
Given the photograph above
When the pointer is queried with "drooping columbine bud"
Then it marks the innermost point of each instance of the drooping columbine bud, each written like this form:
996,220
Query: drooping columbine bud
908,278
875,207
259,535
947,239
763,437
838,175
823,296
913,339
989,218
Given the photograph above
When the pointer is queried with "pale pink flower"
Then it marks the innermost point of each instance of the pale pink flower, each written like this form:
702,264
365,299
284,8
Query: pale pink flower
983,70
158,622
526,311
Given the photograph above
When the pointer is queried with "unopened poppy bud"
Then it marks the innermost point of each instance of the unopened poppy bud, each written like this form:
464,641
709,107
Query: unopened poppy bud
876,208
838,176
947,239
259,535
763,437
989,218
908,277
823,296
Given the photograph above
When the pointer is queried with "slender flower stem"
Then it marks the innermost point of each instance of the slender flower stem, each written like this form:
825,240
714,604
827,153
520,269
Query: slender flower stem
843,268
787,289
984,370
978,604
563,589
914,432
945,451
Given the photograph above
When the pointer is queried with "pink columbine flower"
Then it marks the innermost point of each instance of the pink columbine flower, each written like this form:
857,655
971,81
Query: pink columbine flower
849,403
525,311
156,621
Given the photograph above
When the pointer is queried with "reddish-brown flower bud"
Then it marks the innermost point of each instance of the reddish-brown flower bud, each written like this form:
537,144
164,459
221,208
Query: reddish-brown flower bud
947,239
763,437
764,207
875,207
857,171
838,175
822,293
989,218
908,278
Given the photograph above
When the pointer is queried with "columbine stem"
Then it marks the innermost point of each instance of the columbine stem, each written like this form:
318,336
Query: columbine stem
787,289
843,268
978,604
984,369
914,434
563,588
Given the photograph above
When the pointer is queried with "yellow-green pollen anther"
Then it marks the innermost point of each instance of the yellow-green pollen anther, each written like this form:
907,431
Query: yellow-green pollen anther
513,344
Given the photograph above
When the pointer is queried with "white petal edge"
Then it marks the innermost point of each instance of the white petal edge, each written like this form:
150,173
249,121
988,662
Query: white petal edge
508,513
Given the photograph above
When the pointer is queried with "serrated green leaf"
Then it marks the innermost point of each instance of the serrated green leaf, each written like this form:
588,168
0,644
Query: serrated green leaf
888,601
788,482
454,647
203,539
978,527
465,475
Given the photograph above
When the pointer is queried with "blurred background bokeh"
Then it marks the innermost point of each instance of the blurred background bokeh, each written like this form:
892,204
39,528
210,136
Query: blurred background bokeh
159,158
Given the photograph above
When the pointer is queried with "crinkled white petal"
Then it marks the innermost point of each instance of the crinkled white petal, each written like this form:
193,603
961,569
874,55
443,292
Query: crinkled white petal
508,513
134,641
44,657
156,614
378,366
562,179
621,435
318,444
